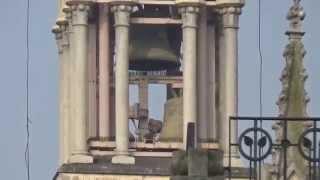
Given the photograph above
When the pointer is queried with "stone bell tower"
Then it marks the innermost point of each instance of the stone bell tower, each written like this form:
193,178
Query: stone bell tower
190,46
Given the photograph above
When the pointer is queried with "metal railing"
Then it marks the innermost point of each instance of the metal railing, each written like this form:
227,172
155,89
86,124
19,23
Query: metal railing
256,143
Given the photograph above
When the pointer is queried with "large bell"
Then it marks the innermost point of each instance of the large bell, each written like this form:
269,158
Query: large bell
152,48
172,130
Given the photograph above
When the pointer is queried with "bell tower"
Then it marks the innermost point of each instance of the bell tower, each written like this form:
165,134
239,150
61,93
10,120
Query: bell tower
189,46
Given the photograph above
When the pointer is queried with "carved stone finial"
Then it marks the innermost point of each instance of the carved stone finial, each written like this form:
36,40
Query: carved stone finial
296,16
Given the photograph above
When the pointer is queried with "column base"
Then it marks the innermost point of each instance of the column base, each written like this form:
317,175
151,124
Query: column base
81,158
123,159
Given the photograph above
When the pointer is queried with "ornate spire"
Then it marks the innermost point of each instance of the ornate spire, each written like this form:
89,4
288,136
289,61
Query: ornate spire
293,98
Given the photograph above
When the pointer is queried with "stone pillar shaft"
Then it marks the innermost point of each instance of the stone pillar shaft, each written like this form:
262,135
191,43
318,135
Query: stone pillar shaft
229,76
189,26
122,20
79,86
104,72
212,75
68,13
92,81
58,36
203,78
64,91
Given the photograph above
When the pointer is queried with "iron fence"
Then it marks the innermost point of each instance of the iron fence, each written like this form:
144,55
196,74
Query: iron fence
257,142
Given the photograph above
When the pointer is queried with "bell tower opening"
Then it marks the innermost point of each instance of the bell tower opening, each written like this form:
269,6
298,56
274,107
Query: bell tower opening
156,73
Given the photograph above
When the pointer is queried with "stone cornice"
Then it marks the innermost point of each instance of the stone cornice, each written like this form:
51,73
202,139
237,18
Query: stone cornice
76,2
220,3
188,3
216,5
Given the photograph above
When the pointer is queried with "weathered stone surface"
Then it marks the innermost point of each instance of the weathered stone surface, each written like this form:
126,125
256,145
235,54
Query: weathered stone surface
109,177
215,162
197,163
179,164
145,166
196,178
293,99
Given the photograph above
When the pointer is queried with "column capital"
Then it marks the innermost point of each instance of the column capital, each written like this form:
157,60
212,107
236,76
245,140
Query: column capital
231,10
56,30
104,9
61,21
189,16
65,36
121,8
122,14
189,9
230,16
80,12
68,11
64,30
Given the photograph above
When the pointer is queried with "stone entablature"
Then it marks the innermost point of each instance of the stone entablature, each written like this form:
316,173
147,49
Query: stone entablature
108,177
167,2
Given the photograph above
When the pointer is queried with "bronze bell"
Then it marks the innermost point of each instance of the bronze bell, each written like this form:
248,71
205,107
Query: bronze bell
153,48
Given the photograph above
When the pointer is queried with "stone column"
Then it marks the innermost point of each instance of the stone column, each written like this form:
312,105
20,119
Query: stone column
122,20
92,81
104,72
212,76
64,88
189,26
79,86
68,13
58,36
203,78
228,86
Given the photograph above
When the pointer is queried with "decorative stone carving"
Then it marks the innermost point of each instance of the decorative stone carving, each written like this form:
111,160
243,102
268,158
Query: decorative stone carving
58,36
293,98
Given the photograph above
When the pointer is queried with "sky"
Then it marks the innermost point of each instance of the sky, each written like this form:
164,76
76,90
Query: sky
44,76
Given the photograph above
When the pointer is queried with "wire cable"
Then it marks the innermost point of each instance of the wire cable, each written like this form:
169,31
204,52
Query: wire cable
261,60
28,122
260,74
